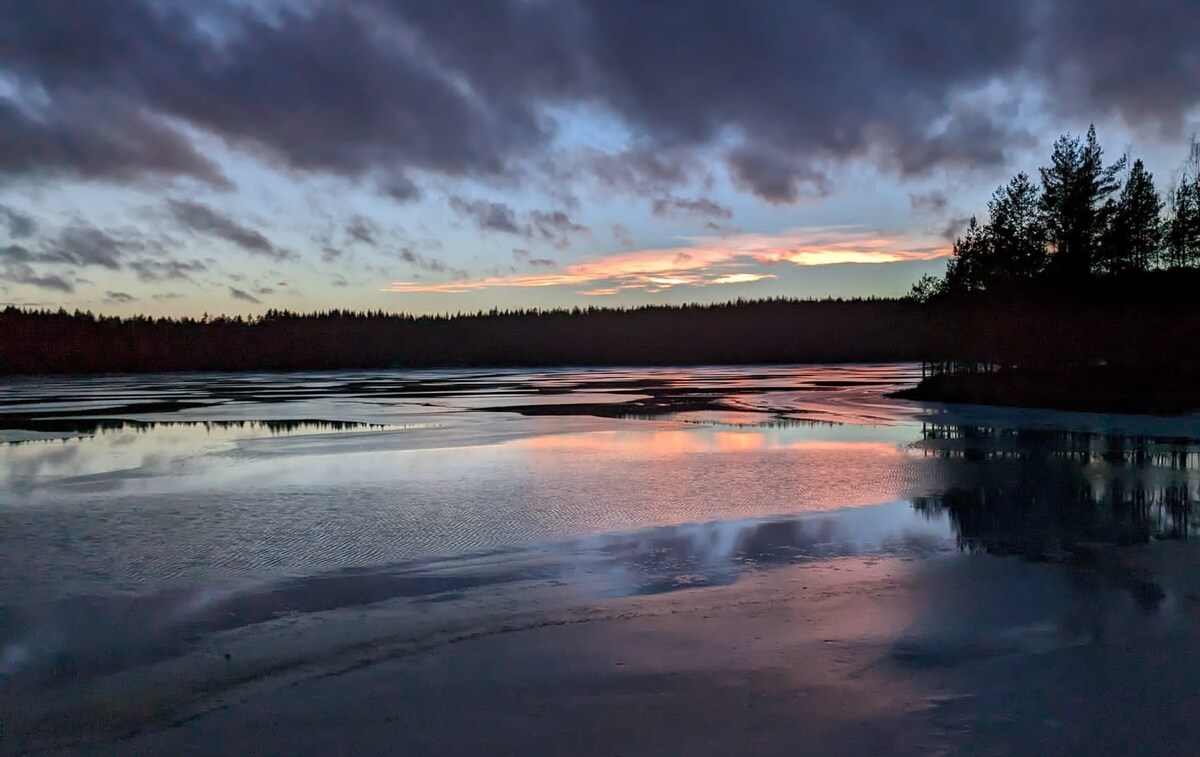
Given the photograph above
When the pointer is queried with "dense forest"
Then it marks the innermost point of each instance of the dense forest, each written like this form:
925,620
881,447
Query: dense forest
739,332
1150,317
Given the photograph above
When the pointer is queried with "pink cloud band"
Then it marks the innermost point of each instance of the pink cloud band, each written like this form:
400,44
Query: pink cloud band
706,261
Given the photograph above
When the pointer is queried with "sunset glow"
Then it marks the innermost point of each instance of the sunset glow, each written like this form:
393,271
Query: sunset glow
739,259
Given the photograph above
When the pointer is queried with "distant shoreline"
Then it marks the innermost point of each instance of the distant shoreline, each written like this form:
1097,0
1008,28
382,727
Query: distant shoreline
1120,344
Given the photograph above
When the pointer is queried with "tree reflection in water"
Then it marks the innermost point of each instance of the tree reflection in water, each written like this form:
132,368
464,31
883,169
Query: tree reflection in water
1045,493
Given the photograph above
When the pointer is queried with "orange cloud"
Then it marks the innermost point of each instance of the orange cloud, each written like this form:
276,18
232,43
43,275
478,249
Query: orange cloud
742,278
706,261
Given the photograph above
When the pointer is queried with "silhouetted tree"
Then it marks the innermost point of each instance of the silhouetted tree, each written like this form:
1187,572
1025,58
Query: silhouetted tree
966,270
926,288
1182,247
1133,237
1075,189
1016,232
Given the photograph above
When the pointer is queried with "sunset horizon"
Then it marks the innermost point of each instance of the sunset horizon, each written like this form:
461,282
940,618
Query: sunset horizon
243,156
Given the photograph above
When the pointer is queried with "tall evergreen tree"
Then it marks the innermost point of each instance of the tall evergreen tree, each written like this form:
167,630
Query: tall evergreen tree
1016,232
1134,233
1075,189
1182,247
966,271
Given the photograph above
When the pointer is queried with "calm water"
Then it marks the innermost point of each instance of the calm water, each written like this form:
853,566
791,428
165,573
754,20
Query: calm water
151,506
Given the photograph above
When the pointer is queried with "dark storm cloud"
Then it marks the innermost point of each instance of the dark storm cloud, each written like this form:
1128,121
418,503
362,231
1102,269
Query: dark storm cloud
119,298
337,74
683,206
22,273
933,202
95,139
970,139
82,246
554,226
543,262
386,87
243,295
400,188
362,229
427,263
722,231
19,225
801,82
150,270
642,170
489,216
1138,60
953,228
204,220
775,175
622,234
15,253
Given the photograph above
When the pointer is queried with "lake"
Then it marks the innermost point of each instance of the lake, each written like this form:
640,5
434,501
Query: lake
141,514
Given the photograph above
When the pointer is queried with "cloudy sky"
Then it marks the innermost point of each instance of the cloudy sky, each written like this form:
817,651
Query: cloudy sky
177,157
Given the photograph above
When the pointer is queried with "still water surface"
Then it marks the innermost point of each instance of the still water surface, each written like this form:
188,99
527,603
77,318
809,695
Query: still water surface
145,504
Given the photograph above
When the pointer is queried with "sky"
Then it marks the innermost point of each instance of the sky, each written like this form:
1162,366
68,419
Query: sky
177,157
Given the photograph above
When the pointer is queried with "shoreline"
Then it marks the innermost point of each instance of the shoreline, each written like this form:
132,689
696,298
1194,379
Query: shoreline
1092,389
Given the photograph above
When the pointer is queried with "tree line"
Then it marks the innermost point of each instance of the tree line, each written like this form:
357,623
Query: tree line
1085,219
743,331
1146,322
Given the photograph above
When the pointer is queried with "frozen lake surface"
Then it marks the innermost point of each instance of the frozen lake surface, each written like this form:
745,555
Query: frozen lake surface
141,514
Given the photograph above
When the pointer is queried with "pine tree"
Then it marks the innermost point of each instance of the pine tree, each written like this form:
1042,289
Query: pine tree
966,270
1017,234
1134,233
1075,190
1182,247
